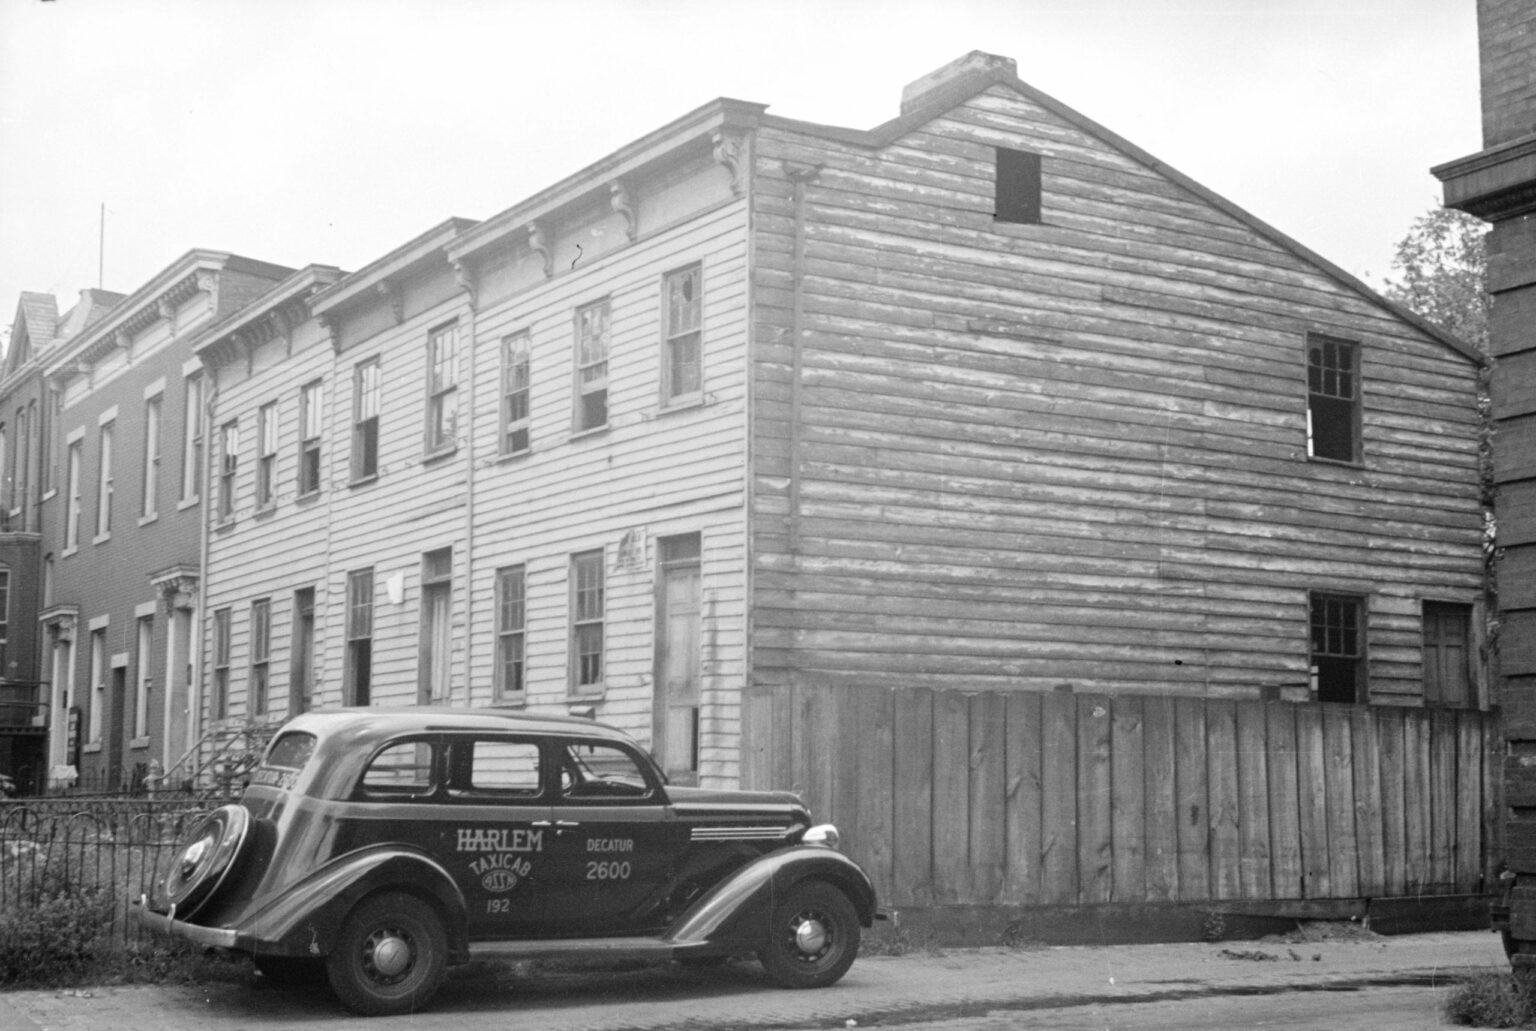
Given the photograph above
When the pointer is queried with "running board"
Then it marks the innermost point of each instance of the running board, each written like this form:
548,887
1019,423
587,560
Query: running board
604,948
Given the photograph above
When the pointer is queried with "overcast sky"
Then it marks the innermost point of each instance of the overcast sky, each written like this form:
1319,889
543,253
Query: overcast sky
332,131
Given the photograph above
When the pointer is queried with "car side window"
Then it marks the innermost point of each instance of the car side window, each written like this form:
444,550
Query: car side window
596,770
504,768
400,770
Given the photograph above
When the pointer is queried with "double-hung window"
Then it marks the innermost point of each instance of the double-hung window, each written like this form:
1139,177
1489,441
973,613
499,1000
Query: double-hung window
365,420
587,623
192,440
1333,398
442,388
229,464
104,483
72,515
1338,647
358,674
592,366
221,652
150,505
436,624
311,408
515,368
682,349
261,655
511,626
266,456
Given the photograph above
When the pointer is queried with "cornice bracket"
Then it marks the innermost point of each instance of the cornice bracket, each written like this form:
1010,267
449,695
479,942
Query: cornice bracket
622,201
538,243
464,275
731,152
395,296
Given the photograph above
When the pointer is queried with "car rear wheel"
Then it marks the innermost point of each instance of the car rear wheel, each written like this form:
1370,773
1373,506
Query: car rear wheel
389,956
201,866
813,936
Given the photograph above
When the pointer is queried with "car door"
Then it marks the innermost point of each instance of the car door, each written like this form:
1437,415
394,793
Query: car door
614,847
495,831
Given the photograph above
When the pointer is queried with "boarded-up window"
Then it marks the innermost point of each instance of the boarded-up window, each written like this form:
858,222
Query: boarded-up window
1018,186
1333,399
1338,647
1447,655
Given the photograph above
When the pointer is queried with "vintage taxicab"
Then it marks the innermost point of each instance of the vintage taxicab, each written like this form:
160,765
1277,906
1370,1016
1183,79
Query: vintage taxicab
376,847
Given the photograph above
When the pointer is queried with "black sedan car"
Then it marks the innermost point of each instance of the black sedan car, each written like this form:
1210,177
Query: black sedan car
376,847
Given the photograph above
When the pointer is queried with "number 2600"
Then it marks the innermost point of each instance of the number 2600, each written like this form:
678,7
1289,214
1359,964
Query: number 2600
599,871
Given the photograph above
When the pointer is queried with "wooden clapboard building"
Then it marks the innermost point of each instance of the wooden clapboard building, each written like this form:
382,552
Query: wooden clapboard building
760,438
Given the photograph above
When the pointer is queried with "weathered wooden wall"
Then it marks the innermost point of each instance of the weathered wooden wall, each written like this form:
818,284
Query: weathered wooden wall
1018,798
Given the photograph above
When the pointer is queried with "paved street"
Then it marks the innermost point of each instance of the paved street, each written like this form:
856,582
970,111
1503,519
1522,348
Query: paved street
1228,985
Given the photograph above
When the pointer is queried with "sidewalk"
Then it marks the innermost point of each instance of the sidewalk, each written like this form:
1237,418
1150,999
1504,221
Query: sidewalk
913,986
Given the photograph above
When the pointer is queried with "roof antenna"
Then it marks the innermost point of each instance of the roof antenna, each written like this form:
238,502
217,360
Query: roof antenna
101,246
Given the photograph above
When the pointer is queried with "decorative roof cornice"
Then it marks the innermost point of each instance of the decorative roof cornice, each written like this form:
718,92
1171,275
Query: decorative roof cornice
1496,184
384,276
273,314
719,127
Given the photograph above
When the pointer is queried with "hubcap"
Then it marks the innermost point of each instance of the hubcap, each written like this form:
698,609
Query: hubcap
391,955
194,855
810,936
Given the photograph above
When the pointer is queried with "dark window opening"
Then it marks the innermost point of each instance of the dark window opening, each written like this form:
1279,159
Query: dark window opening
1338,647
1333,399
1018,187
1448,655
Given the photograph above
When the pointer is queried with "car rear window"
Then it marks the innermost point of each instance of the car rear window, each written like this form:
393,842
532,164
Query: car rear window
290,751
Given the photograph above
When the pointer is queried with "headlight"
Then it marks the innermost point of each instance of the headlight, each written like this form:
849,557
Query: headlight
821,834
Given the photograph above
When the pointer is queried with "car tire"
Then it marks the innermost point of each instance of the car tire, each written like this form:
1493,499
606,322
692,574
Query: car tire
206,860
813,936
389,957
291,971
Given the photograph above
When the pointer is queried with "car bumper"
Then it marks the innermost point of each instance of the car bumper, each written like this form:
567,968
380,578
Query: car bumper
167,924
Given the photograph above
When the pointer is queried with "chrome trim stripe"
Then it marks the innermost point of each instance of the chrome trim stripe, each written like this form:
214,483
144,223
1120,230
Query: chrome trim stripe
739,833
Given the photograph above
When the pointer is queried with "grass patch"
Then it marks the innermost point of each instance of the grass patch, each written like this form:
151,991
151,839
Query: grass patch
1493,999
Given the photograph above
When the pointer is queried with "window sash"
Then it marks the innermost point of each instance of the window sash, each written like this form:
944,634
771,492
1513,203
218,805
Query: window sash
104,484
683,352
151,496
192,439
587,620
72,522
311,410
511,614
443,378
365,419
229,460
515,388
266,459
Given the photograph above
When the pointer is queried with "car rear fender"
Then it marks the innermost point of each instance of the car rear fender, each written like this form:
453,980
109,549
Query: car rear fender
736,909
304,919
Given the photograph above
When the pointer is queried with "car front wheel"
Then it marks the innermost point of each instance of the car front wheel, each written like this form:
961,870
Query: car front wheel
813,936
389,957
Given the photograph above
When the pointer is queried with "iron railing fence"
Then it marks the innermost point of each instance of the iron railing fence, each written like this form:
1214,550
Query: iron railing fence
123,847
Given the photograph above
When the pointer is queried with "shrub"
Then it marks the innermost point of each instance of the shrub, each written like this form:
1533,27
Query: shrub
55,936
1493,1000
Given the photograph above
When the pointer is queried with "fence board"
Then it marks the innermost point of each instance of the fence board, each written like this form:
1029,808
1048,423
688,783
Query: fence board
1058,807
912,852
1313,812
1023,835
951,797
1161,800
1128,800
1194,823
1343,872
1095,844
1284,804
1469,802
1493,800
1442,813
1221,766
1366,753
1253,802
988,714
874,745
1416,782
1394,818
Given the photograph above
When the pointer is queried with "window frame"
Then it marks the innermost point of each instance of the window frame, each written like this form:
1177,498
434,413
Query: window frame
435,641
105,480
222,646
1434,644
511,635
192,440
674,337
307,477
587,609
589,373
357,681
442,411
1018,187
516,394
149,506
75,460
1324,405
142,677
367,393
229,470
259,676
1358,604
268,435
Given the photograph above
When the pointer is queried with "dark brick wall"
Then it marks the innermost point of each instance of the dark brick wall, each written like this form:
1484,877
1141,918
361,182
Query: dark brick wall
1507,37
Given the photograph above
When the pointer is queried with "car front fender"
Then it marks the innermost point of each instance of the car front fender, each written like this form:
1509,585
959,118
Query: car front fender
735,911
303,920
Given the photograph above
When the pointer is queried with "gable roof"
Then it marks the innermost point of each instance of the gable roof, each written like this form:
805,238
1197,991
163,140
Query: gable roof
940,91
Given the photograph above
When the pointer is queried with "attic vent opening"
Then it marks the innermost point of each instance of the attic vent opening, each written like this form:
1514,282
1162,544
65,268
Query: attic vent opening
1018,187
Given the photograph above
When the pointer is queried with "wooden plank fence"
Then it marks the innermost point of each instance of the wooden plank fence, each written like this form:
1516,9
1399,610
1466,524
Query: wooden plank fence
1016,798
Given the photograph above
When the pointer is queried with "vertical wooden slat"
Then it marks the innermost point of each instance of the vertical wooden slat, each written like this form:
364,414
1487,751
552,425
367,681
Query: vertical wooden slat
987,769
1394,818
1023,834
1160,800
872,738
1284,805
1469,800
1253,802
1058,804
1194,817
951,797
1442,815
760,729
1094,844
1221,766
1493,799
1128,800
1343,869
912,855
1366,753
1416,846
1310,788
